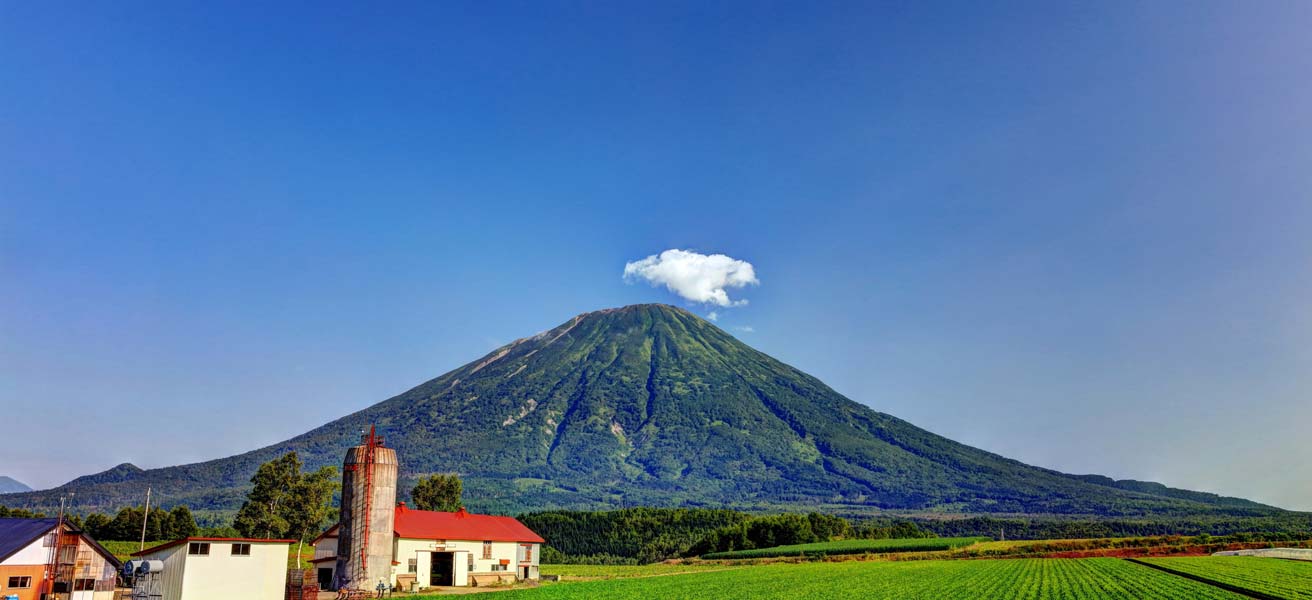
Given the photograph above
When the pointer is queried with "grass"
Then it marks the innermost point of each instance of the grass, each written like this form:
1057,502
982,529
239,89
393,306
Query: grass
123,550
1271,576
851,547
1032,579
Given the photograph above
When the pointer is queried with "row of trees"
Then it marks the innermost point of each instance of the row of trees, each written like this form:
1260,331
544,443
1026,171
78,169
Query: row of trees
126,524
19,513
1292,525
645,535
628,536
787,529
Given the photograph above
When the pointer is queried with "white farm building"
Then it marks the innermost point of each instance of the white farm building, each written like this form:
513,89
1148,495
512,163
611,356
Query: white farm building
432,548
202,568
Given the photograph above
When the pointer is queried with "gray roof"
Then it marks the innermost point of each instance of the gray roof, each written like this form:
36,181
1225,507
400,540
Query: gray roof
16,534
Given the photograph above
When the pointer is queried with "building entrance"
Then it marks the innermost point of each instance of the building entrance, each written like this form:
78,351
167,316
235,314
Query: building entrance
442,569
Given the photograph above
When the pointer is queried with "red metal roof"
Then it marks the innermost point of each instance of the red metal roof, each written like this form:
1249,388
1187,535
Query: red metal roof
461,525
210,539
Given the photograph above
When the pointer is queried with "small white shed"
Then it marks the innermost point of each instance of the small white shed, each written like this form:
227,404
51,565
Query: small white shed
201,568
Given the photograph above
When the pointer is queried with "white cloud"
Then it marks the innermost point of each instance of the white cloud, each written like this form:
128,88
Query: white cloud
746,328
713,316
696,277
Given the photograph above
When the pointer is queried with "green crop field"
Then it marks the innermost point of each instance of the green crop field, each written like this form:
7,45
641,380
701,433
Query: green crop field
122,550
852,547
1271,576
589,572
1030,579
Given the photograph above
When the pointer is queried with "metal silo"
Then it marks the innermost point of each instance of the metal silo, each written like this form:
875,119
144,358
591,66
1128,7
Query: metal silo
364,549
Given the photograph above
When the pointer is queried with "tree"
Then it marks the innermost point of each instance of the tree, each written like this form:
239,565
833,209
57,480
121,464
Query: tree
262,515
308,505
286,503
180,523
97,526
438,492
126,525
19,513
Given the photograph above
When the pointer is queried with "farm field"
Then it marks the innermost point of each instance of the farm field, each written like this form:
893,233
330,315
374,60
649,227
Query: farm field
594,572
1270,576
1031,579
123,550
852,547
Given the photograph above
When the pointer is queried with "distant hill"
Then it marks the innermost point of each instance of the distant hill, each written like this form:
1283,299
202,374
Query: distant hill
652,405
9,485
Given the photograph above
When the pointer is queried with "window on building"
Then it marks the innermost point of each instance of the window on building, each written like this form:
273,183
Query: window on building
487,550
498,567
19,583
528,552
471,561
414,566
84,585
199,549
241,549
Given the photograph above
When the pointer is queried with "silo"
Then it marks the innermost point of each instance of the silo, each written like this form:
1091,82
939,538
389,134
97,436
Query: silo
364,549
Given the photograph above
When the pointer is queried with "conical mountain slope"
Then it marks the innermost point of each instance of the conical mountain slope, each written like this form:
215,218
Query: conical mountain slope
652,405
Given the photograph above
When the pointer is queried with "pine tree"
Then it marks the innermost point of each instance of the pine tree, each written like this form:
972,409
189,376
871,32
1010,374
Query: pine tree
97,526
180,523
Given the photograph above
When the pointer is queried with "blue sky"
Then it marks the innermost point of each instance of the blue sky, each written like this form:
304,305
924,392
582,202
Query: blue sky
1076,234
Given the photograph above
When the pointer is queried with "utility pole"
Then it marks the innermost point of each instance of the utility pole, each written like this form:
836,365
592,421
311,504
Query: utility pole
145,517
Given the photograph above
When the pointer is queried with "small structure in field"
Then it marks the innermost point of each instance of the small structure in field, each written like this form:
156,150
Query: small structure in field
51,558
205,568
1286,553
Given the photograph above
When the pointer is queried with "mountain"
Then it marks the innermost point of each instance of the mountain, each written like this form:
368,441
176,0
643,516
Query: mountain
9,485
652,405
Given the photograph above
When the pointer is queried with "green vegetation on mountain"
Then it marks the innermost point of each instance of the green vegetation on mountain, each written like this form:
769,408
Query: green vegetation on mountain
652,405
